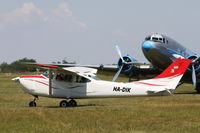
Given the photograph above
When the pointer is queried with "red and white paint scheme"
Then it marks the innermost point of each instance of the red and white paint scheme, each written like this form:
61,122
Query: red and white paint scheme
81,82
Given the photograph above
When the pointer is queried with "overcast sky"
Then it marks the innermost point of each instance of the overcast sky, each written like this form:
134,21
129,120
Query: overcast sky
85,30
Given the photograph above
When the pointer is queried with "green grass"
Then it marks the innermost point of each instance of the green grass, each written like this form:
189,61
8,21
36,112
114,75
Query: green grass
179,113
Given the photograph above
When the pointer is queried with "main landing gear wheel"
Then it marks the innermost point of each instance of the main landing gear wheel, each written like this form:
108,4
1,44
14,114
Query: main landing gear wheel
72,103
64,103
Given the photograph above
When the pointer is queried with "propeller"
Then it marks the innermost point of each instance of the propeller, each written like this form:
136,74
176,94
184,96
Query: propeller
117,74
123,63
193,75
194,80
119,53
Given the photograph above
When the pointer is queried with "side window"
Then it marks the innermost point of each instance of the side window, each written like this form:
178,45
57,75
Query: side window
59,77
64,77
67,78
80,79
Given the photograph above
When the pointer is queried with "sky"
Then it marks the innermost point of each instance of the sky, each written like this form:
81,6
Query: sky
85,31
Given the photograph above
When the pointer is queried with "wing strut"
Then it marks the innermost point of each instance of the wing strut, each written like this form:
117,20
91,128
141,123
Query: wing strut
50,83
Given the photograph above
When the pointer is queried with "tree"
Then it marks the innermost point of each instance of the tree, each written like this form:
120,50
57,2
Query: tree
4,67
18,66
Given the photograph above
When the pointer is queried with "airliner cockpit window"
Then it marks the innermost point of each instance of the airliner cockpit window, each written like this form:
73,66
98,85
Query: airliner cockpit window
154,39
148,38
163,40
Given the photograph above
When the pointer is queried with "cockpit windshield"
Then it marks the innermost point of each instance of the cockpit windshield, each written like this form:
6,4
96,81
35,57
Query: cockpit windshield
46,74
94,77
155,38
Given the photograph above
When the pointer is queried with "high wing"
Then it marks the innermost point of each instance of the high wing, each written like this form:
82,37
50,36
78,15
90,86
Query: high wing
73,69
137,71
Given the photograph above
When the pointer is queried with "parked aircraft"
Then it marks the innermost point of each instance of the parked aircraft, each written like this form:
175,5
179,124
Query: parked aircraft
160,50
81,82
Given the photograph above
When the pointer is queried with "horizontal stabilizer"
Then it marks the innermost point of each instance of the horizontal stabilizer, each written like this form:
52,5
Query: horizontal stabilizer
161,93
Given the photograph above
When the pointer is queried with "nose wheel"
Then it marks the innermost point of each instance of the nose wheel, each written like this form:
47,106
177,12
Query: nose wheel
65,103
33,103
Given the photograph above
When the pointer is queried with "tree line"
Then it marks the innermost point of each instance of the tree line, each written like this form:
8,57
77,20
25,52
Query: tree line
23,65
18,66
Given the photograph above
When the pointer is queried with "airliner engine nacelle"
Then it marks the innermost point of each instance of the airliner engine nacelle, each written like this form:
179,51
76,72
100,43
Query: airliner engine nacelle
196,62
127,67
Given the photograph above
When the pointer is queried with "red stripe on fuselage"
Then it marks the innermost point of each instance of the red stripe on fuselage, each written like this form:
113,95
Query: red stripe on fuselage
33,76
148,84
38,81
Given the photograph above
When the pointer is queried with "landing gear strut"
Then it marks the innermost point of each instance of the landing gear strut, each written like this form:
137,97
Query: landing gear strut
71,103
198,83
198,87
33,103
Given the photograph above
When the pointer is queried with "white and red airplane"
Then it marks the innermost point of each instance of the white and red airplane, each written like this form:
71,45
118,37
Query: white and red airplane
80,82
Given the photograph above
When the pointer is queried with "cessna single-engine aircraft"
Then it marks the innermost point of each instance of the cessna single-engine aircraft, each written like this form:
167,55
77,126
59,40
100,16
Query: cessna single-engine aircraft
81,82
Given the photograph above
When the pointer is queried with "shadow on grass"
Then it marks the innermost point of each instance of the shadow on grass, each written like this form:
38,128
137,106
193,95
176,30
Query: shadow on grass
87,105
182,93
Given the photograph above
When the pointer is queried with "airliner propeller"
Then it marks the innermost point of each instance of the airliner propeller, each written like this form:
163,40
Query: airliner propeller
193,75
194,64
123,63
194,79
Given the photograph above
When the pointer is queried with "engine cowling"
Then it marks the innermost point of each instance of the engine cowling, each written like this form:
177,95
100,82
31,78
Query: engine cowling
196,63
127,67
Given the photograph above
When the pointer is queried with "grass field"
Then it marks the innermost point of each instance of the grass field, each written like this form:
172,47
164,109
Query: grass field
179,113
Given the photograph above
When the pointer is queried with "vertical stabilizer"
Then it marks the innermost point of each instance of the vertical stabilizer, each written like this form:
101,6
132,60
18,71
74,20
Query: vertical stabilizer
170,77
177,68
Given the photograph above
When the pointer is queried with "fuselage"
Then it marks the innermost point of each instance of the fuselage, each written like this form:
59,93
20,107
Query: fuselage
161,51
38,85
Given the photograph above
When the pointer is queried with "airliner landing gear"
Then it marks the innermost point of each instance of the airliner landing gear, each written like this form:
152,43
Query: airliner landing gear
71,103
198,87
198,84
33,103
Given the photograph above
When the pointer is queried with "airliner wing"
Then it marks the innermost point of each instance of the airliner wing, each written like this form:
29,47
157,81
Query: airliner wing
107,67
